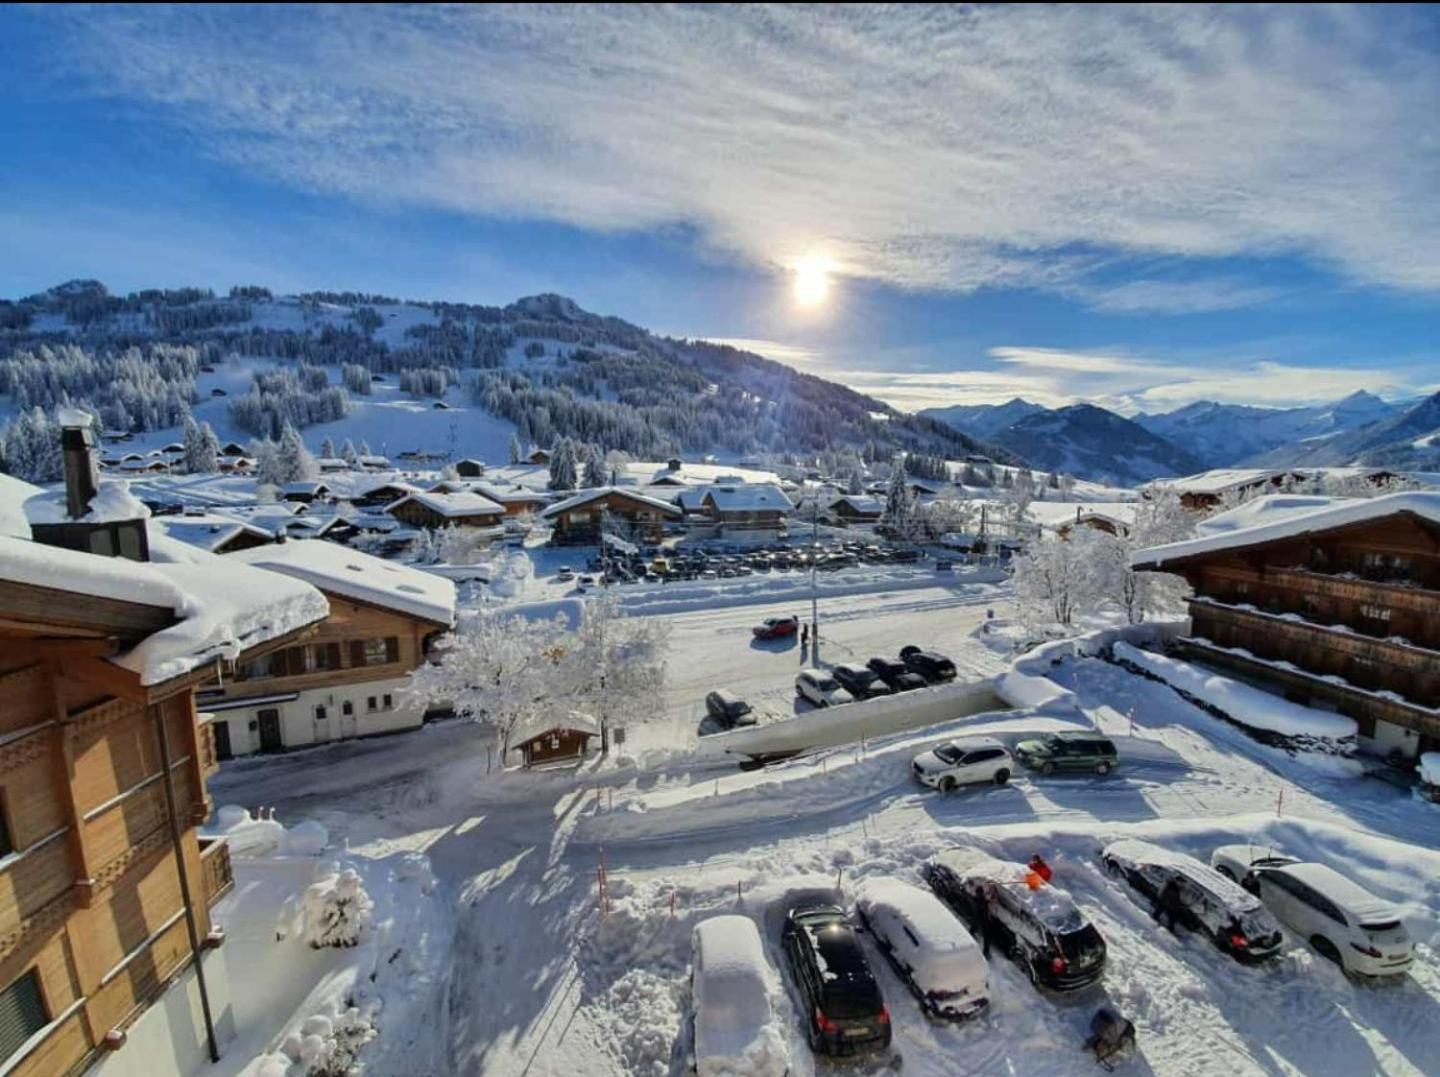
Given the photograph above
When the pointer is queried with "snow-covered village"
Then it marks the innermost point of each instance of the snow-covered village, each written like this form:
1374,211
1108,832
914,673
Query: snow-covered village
863,550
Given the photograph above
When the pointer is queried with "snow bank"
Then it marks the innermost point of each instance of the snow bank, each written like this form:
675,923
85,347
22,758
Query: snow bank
1028,686
1430,768
1299,727
254,836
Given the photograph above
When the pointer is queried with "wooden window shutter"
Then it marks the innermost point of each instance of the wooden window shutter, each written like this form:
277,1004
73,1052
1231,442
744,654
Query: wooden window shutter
22,1014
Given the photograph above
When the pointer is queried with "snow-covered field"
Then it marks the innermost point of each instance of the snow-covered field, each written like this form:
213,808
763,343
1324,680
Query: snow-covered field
545,981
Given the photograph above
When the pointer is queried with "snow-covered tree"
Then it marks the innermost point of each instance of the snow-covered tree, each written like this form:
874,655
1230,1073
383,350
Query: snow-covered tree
594,467
349,454
327,447
269,471
1066,485
899,515
856,485
517,453
336,910
202,448
563,469
1054,579
1015,499
365,449
295,459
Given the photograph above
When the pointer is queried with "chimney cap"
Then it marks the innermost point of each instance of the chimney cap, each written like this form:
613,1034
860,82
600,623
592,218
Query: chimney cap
74,417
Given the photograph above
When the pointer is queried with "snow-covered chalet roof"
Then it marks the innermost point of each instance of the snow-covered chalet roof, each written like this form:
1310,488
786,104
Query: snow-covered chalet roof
351,574
306,487
221,609
748,497
208,530
862,503
1218,480
587,496
14,493
537,724
1055,514
464,503
113,501
1285,525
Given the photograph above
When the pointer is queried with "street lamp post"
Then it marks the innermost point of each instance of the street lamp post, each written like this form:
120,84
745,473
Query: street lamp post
814,581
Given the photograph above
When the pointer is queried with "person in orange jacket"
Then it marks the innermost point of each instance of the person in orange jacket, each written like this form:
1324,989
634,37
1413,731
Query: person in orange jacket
1039,867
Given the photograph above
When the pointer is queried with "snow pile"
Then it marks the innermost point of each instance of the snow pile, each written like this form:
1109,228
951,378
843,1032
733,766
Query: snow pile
336,910
735,1030
1265,510
253,836
1027,684
1289,723
1430,770
14,493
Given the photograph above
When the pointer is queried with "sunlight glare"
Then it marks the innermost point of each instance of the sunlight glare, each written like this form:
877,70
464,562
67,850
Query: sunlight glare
811,285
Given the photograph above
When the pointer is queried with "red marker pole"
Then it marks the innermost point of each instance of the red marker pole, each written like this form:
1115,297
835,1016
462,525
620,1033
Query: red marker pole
1280,802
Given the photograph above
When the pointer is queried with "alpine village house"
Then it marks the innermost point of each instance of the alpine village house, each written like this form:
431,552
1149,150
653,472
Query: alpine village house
109,961
1338,607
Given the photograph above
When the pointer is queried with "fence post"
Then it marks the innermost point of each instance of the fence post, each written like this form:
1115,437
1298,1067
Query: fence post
672,903
1280,802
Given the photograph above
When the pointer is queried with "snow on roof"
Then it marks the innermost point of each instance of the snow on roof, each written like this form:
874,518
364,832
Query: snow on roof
1055,514
14,493
375,461
644,472
934,924
463,503
67,416
860,503
1051,905
1264,510
305,487
512,497
1366,907
220,611
1219,480
587,496
112,501
537,724
206,531
749,497
352,574
1290,524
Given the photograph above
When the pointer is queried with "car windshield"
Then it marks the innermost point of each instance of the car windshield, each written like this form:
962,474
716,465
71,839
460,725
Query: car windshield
1053,743
826,684
949,753
1083,945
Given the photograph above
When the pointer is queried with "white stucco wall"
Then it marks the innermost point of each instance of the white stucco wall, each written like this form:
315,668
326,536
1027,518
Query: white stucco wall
168,1039
299,727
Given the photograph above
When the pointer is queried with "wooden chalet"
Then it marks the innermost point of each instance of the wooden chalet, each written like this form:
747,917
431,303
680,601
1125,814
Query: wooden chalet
463,508
1209,488
853,509
381,495
470,468
547,741
349,678
747,509
1338,606
579,520
538,456
106,938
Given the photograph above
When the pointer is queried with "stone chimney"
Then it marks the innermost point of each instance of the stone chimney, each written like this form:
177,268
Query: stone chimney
82,475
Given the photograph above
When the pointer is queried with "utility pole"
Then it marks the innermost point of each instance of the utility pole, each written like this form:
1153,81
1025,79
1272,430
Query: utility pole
814,580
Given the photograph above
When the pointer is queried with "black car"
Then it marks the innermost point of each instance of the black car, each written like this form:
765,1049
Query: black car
895,674
844,1011
728,710
861,682
1039,928
935,668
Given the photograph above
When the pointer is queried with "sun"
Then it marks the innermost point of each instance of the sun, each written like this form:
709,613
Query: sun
811,283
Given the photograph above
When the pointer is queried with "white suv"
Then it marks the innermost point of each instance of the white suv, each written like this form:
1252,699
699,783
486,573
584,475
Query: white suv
964,762
1342,920
820,688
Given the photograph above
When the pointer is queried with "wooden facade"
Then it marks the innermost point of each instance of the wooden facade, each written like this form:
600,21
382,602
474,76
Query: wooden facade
578,521
416,513
101,834
555,746
1346,618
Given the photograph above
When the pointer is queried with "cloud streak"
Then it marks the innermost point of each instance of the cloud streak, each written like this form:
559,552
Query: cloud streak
943,148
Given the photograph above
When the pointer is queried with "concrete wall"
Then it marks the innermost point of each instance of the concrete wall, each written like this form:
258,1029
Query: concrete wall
168,1040
299,727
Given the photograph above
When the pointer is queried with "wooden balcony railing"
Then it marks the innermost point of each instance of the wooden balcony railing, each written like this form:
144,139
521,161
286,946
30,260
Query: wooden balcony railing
215,869
209,761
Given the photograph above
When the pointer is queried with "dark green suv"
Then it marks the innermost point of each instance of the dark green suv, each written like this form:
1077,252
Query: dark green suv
1067,751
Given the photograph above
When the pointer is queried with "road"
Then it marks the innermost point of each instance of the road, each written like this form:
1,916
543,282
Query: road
713,648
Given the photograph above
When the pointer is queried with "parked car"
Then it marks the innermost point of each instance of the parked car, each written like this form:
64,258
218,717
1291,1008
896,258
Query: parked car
942,565
929,949
860,682
1038,927
566,573
964,762
1340,919
895,674
728,710
820,688
1196,897
732,984
935,668
844,1010
776,627
1068,751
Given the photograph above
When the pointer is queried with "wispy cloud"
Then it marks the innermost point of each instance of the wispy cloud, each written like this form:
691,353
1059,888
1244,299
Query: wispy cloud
791,354
951,148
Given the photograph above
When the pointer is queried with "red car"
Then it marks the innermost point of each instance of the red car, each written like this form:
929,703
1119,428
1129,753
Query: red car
775,627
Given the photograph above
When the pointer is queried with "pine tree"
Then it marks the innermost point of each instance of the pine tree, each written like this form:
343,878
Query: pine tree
594,467
563,466
856,485
327,447
516,452
900,503
209,449
202,447
348,453
365,449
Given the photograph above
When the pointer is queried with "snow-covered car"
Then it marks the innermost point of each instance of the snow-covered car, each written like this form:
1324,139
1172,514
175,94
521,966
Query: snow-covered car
966,761
1239,862
927,946
1195,896
1038,927
1343,921
776,627
736,1031
565,574
860,682
821,689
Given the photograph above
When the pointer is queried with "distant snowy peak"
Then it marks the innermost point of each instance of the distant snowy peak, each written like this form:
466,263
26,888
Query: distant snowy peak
1092,443
1222,435
551,307
984,420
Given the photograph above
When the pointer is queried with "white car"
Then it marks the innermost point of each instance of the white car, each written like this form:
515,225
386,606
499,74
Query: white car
964,762
1343,921
1239,862
734,1021
927,946
820,688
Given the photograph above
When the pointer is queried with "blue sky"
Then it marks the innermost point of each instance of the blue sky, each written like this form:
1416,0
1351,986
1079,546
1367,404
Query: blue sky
1140,207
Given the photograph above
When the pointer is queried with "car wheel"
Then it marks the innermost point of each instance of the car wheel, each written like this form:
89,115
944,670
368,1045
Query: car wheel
947,784
1047,768
1002,776
1327,949
1102,769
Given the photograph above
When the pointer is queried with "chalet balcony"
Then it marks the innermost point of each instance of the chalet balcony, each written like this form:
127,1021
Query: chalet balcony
1353,587
215,869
